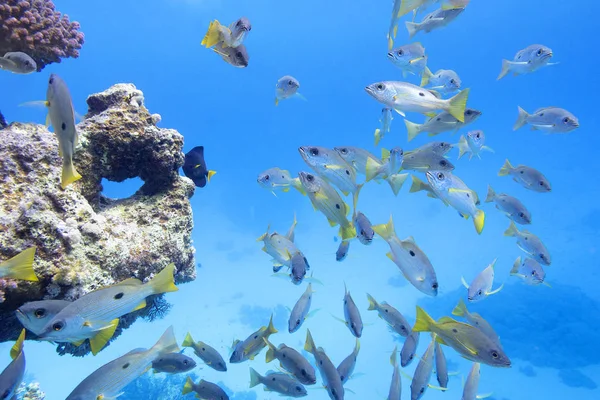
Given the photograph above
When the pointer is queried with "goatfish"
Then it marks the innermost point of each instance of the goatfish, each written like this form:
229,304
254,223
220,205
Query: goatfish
467,340
232,36
34,315
279,179
386,124
95,315
442,122
292,361
451,190
325,199
108,381
12,376
329,374
20,266
527,60
206,353
253,345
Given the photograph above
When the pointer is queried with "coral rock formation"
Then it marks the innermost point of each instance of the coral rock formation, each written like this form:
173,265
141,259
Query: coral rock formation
85,240
37,29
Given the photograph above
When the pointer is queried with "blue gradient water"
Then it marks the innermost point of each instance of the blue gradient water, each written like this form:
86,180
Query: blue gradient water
335,48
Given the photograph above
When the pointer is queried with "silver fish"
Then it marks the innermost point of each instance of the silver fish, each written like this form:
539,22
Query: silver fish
528,60
356,157
410,58
278,179
422,376
472,143
299,268
424,161
444,81
278,382
476,320
173,363
409,349
530,244
253,345
292,361
435,20
342,251
34,315
12,376
206,353
439,148
472,383
529,270
441,366
481,286
346,367
548,119
18,63
287,86
395,392
329,374
204,389
443,122
236,56
390,315
301,310
527,177
280,247
223,36
510,206
352,315
331,167
386,124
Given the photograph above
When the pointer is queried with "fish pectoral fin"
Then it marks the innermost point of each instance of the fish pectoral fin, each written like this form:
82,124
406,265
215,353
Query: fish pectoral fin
103,336
430,114
440,340
495,291
465,284
320,196
389,255
483,396
332,223
140,306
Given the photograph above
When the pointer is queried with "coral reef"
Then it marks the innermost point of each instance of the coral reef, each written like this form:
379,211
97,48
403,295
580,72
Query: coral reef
84,240
30,391
34,27
3,123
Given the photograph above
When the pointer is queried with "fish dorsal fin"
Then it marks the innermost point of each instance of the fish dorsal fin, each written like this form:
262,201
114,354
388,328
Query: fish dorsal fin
445,320
128,282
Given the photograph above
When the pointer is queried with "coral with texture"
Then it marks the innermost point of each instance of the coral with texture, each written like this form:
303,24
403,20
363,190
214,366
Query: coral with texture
34,27
84,240
30,391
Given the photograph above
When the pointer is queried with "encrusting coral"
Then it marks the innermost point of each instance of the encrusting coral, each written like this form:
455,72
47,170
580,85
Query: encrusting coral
85,240
34,27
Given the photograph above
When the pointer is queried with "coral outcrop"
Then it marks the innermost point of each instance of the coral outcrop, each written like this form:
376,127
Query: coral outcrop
34,27
85,240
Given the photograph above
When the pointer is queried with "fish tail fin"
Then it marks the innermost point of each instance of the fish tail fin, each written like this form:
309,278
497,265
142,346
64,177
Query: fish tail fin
412,129
463,147
355,196
386,231
298,186
390,42
490,194
512,230
521,119
357,346
270,352
254,377
210,174
20,266
506,168
372,169
372,302
393,357
412,28
167,343
98,342
347,232
396,181
18,346
213,35
424,321
271,328
188,341
479,221
505,69
164,281
426,76
461,309
457,105
377,136
69,174
188,387
407,6
417,185
276,101
515,267
309,345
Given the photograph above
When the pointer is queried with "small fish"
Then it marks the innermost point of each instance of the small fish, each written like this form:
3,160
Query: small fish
326,199
481,286
95,315
528,60
476,320
362,224
279,179
280,247
393,30
443,122
472,143
435,20
352,315
194,167
472,383
204,390
293,362
287,86
108,381
236,56
467,340
444,81
232,36
329,374
18,63
527,177
278,382
34,315
346,367
409,349
331,167
441,366
173,363
388,169
342,251
529,270
510,206
206,353
451,190
410,58
406,97
356,157
62,117
548,119
395,392
422,376
530,244
299,268
12,376
301,310
253,345
390,315
439,148
20,266
410,259
424,161
386,124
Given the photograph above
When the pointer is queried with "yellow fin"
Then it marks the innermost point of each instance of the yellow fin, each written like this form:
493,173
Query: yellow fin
103,336
140,306
479,221
385,154
271,328
424,321
213,35
386,231
276,101
210,175
18,346
461,309
332,223
78,343
430,114
188,341
377,136
426,76
188,387
164,281
69,174
347,232
372,168
457,105
20,266
506,168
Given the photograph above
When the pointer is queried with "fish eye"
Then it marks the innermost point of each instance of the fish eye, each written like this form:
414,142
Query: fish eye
495,354
333,392
314,152
435,285
303,372
452,81
40,313
400,52
310,178
298,389
443,163
26,62
58,326
266,177
540,52
239,55
479,292
468,112
440,176
297,322
380,87
185,362
478,136
541,183
566,120
422,390
291,82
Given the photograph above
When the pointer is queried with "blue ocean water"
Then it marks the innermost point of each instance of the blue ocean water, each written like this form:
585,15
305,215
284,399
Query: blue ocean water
336,48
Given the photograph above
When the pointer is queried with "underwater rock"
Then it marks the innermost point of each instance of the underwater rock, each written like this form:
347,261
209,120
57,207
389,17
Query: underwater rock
547,327
85,240
576,379
3,123
30,391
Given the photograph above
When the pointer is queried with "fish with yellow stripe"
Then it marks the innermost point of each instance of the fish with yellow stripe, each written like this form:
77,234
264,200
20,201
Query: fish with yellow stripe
232,36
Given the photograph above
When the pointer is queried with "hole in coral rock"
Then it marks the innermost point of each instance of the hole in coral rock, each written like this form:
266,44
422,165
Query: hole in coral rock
121,190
